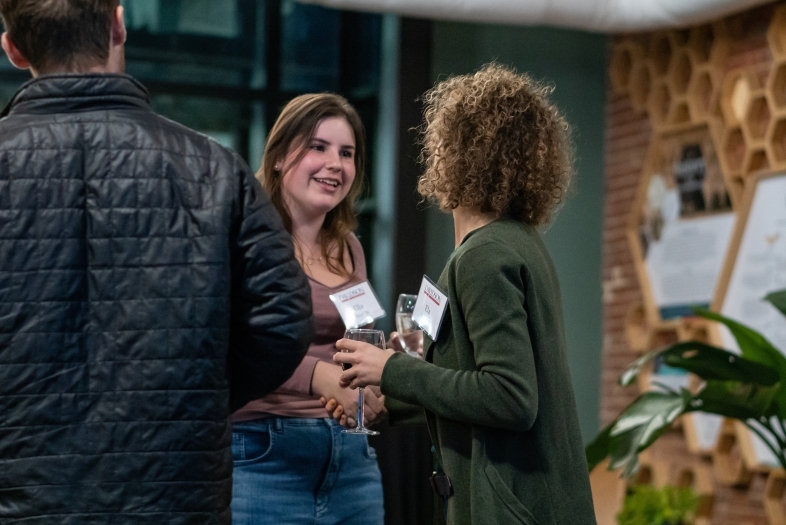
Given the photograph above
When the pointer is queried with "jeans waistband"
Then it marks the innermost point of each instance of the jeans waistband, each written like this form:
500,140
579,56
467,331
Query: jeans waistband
277,423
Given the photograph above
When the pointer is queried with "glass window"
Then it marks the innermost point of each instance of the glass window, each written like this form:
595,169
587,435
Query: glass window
361,69
209,17
199,17
310,47
222,119
196,42
142,14
227,67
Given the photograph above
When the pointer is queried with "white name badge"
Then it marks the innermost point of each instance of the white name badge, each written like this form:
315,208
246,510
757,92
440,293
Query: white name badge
430,308
358,305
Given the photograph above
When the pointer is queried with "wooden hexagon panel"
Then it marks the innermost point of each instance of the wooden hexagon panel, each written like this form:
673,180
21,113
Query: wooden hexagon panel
680,224
775,143
673,76
707,226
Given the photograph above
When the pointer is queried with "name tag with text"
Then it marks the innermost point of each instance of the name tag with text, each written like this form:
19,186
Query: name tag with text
358,305
430,308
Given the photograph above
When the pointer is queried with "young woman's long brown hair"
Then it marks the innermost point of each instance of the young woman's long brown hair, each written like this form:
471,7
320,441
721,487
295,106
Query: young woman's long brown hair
293,130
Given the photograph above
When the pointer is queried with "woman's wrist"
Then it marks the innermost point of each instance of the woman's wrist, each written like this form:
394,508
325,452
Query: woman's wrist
325,375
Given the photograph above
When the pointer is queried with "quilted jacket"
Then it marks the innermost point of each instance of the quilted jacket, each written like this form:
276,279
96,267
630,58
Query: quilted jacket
147,288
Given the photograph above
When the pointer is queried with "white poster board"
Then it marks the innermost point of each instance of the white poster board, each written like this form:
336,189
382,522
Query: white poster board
759,268
685,222
684,264
707,428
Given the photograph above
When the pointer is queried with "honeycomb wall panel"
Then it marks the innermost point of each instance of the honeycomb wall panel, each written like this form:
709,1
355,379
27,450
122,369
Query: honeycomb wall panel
727,77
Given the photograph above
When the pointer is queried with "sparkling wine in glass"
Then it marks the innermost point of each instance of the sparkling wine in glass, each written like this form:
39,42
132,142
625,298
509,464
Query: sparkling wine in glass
375,338
411,336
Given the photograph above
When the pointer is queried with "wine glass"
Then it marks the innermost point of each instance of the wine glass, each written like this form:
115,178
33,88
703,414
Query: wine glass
410,335
375,338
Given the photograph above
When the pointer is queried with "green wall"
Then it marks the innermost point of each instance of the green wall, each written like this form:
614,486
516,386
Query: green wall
576,63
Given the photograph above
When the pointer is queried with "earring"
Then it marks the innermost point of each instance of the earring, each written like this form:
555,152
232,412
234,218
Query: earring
276,168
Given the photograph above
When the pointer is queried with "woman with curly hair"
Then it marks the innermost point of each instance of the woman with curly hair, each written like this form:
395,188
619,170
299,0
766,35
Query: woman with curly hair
494,384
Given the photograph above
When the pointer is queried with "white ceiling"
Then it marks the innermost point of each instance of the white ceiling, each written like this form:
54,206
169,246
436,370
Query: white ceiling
607,16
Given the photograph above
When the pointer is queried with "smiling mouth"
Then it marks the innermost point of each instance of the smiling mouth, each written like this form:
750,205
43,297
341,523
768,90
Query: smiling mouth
329,182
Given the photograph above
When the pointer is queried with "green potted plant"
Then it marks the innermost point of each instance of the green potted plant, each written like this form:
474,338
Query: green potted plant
647,505
750,387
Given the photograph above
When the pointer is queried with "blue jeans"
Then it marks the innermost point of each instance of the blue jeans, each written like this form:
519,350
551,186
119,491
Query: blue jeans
291,471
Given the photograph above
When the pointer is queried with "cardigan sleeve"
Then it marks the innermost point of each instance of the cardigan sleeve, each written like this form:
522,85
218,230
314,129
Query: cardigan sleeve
502,391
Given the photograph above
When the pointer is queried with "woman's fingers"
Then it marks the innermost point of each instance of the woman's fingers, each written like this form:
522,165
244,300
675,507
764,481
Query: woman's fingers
414,341
332,407
376,390
367,363
394,342
350,345
346,358
375,406
352,379
342,357
347,375
338,412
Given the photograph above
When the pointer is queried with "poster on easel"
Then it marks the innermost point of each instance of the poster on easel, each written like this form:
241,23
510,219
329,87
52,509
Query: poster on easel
757,267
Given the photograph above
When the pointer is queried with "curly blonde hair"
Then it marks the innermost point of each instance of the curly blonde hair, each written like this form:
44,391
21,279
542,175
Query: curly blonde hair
493,141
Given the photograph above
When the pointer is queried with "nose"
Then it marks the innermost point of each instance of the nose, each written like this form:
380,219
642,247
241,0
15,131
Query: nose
333,161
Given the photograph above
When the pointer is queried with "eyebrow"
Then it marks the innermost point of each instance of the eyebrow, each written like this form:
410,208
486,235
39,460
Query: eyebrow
321,141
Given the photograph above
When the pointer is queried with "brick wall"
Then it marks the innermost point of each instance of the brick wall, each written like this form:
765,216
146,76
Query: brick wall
628,134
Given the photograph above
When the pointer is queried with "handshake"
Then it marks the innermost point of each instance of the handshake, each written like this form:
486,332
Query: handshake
362,365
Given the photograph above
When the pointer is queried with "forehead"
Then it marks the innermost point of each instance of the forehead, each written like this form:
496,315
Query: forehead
335,129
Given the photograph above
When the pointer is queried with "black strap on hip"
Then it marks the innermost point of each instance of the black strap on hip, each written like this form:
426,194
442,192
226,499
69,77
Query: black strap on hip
440,484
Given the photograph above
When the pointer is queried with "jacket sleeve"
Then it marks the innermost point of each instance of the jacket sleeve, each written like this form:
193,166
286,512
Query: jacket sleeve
401,413
271,323
502,391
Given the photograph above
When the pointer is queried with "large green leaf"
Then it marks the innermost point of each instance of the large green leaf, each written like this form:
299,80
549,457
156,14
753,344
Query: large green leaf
746,387
753,345
653,413
778,300
635,429
624,452
650,406
756,347
709,362
598,449
629,376
735,399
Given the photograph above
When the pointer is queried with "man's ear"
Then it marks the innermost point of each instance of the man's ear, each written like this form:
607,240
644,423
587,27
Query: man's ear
16,58
119,33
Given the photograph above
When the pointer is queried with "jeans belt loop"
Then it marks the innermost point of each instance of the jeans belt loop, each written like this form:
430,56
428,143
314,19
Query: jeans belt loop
278,424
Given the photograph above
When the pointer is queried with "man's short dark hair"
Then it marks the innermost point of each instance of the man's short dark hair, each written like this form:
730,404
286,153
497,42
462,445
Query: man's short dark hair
59,33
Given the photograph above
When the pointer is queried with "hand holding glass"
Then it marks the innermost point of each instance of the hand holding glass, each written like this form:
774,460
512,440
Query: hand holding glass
377,339
410,336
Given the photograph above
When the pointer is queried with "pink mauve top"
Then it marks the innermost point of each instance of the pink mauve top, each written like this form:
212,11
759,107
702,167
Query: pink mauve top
294,398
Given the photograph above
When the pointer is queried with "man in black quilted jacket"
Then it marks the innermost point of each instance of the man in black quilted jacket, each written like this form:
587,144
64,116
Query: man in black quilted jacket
146,288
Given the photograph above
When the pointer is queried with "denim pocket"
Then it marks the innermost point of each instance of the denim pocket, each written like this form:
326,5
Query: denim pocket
251,444
371,452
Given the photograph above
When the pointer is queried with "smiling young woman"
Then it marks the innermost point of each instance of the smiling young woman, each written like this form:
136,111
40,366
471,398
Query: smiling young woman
314,182
292,463
324,174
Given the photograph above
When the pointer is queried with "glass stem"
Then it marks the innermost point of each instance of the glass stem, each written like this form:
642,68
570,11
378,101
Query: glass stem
361,408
